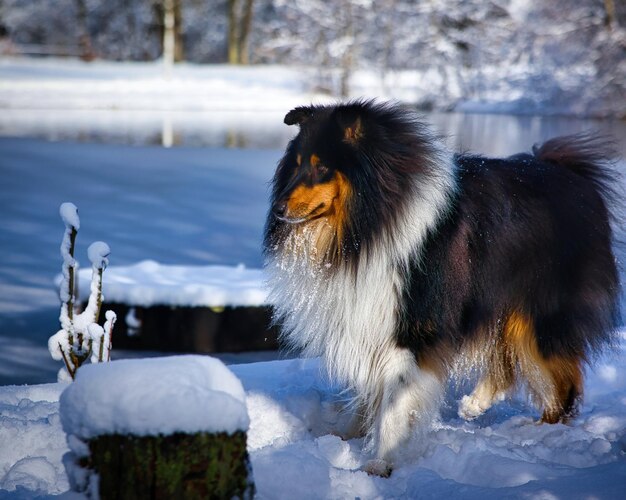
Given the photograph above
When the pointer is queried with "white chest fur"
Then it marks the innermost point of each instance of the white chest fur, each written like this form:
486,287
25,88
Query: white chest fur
348,315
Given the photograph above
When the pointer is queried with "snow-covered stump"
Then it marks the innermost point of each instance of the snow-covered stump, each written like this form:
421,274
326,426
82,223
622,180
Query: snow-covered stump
199,309
157,428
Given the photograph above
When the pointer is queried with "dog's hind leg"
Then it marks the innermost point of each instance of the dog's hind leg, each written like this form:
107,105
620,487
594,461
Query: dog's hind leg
566,382
499,376
484,395
556,381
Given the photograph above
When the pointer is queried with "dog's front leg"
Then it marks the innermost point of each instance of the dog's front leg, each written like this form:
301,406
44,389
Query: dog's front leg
407,398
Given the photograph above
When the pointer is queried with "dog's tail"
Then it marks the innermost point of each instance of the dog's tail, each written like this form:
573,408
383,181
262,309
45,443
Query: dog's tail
595,158
587,154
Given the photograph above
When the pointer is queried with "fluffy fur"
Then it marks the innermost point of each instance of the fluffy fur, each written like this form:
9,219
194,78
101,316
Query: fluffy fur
400,264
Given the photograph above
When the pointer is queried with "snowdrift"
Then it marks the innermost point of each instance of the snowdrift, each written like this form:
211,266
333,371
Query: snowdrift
294,411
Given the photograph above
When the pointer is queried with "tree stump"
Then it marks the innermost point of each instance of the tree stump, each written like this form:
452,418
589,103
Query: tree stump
179,466
157,428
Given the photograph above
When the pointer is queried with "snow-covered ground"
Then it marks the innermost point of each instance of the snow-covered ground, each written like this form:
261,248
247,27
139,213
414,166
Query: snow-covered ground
201,206
294,414
27,84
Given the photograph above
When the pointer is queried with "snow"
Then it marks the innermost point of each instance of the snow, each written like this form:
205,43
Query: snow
32,442
98,253
58,344
147,397
294,414
72,84
150,283
69,215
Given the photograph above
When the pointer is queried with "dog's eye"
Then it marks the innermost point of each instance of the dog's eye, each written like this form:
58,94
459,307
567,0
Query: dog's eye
320,170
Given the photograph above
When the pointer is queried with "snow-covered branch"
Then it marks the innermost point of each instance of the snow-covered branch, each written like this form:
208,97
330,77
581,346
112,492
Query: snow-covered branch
80,336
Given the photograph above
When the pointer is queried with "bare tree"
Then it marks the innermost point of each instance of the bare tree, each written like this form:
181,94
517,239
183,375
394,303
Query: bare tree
169,36
611,17
84,38
239,26
169,18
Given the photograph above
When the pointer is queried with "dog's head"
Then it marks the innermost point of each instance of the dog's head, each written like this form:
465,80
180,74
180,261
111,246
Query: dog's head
347,174
313,179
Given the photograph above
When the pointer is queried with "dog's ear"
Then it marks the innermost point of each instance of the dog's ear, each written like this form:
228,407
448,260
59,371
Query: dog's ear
353,133
299,115
351,123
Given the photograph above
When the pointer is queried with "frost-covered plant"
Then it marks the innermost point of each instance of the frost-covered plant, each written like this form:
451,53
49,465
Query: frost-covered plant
80,337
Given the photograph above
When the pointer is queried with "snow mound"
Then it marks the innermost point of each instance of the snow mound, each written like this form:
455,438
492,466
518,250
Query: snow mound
32,442
154,396
149,283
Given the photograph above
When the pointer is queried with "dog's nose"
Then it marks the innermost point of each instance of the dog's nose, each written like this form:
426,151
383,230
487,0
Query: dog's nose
279,208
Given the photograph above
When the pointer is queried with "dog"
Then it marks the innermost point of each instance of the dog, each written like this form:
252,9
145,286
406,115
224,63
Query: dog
401,264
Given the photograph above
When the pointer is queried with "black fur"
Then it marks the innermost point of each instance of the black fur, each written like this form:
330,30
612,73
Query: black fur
524,234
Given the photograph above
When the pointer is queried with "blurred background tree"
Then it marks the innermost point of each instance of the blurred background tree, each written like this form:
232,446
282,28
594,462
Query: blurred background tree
171,10
553,49
239,25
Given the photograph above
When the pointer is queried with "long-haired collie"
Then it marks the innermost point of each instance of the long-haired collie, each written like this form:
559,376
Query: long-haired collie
400,264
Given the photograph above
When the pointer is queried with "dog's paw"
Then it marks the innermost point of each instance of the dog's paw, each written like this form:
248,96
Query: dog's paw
378,467
348,434
471,407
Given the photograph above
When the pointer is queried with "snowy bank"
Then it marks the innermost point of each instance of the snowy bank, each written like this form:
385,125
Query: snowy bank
72,84
294,412
149,283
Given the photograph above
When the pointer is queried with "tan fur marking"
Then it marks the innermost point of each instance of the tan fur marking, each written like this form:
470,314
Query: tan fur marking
314,160
325,202
553,379
337,218
499,360
307,202
299,159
